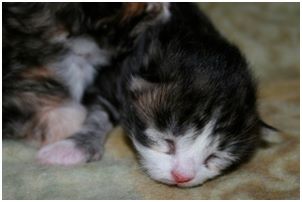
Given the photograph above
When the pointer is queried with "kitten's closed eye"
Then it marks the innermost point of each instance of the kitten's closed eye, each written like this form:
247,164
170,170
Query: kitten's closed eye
171,146
209,159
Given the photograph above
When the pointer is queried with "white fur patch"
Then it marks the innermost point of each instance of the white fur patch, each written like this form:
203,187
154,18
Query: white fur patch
54,123
189,158
88,49
63,121
77,68
158,164
61,153
165,12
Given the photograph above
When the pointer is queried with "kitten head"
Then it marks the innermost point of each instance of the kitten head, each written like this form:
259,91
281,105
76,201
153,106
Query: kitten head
186,131
190,105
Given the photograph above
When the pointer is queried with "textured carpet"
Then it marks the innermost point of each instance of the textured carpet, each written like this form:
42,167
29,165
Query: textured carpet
268,34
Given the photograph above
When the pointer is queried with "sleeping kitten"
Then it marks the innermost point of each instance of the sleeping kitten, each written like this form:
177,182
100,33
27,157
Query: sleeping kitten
186,98
183,93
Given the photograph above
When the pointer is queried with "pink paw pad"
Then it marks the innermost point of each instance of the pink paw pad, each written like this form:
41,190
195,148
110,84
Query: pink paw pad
61,153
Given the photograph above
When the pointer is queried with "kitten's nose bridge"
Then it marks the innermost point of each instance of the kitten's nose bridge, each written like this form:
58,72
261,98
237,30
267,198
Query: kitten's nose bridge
183,171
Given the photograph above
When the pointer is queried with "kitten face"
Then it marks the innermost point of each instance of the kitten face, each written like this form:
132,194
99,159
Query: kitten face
188,160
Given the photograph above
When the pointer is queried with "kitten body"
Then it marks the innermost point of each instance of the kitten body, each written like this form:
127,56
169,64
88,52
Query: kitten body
52,53
183,93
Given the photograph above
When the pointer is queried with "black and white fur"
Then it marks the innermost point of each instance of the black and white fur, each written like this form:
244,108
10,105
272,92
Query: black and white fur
186,98
184,94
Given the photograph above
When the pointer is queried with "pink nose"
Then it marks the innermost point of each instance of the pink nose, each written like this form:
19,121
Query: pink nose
180,177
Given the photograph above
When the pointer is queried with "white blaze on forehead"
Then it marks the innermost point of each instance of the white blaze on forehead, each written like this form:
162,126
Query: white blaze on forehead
193,143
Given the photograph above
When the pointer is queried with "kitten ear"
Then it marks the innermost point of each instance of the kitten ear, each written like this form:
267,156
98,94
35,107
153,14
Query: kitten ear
152,10
270,134
139,84
105,16
138,16
131,10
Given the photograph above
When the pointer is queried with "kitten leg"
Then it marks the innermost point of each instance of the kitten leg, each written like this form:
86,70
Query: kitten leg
55,123
85,145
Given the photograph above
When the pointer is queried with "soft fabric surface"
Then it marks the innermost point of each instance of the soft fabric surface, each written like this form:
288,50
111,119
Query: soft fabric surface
268,34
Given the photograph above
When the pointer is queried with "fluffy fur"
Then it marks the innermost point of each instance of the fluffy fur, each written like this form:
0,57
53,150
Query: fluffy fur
184,94
52,53
186,97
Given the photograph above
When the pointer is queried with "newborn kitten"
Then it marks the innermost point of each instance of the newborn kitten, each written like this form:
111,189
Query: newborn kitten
186,98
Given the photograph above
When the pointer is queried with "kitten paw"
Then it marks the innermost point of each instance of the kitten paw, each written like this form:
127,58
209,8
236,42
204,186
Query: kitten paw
61,153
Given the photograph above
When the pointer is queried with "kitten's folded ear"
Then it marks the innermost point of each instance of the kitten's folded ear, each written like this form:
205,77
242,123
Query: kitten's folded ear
150,11
132,10
270,134
126,13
